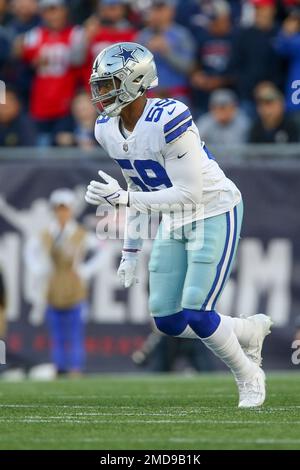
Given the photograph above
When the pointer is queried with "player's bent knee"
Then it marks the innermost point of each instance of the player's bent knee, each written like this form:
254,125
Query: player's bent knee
193,297
203,322
171,325
160,306
156,304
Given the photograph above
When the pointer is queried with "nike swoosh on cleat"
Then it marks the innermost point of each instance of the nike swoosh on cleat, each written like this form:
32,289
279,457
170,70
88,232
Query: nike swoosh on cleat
180,156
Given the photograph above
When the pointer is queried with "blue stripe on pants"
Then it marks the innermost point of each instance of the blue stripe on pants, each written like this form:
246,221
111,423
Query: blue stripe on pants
233,247
219,267
225,262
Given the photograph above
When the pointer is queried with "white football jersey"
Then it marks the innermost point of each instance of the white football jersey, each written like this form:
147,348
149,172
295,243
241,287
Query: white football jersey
142,155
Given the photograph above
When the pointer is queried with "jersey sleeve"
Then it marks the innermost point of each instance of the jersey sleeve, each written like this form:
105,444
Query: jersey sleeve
177,120
180,148
135,224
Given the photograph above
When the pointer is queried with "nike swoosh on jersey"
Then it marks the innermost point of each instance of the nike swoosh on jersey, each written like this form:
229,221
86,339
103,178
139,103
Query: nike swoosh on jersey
180,156
171,112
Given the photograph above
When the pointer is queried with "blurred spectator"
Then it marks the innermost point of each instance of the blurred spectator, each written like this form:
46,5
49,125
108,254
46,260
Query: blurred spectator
288,45
195,14
254,58
16,129
5,16
214,52
80,10
25,18
54,50
290,3
225,123
4,53
273,125
237,10
113,13
84,115
173,48
108,26
58,254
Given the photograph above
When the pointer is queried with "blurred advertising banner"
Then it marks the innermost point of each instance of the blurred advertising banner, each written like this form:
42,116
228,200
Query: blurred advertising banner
266,276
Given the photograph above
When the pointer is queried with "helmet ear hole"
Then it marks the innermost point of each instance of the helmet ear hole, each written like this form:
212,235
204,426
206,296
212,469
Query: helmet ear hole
138,79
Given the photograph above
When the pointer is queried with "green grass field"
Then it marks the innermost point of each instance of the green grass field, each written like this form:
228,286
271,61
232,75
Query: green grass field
161,412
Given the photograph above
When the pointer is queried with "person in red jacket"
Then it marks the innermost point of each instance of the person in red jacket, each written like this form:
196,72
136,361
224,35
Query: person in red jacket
108,26
54,50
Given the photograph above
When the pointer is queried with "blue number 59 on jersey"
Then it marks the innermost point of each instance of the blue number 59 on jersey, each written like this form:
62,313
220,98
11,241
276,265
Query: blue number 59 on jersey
149,175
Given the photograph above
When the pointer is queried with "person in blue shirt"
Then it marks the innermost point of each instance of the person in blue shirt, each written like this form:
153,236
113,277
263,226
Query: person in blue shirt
25,18
288,45
214,49
253,57
173,48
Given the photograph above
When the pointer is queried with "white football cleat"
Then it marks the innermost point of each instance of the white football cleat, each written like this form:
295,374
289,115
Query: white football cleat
261,325
252,392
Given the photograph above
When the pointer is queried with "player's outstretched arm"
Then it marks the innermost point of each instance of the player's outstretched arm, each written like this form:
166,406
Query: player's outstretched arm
184,168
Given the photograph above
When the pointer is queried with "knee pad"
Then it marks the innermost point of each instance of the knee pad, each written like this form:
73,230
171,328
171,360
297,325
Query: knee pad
172,325
193,297
159,306
203,322
156,304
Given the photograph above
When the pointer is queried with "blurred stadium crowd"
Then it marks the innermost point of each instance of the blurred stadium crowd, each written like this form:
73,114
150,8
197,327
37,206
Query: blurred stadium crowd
235,62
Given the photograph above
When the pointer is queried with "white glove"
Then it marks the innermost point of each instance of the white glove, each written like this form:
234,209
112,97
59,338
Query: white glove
110,191
127,268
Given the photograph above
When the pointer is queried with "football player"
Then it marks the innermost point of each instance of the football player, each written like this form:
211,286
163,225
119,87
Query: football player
165,163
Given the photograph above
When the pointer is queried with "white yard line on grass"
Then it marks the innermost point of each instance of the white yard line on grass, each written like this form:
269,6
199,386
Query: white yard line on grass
177,440
72,420
200,408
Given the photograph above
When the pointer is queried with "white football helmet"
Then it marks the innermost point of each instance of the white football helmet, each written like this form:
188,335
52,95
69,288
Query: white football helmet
133,65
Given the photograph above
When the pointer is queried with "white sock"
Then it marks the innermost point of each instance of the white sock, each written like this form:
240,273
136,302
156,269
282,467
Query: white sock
241,326
188,333
224,344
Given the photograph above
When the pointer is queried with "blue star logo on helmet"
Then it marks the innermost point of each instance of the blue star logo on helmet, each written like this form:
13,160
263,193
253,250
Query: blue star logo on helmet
126,55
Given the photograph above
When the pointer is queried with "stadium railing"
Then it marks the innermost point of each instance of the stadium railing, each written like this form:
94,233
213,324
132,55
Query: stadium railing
263,153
